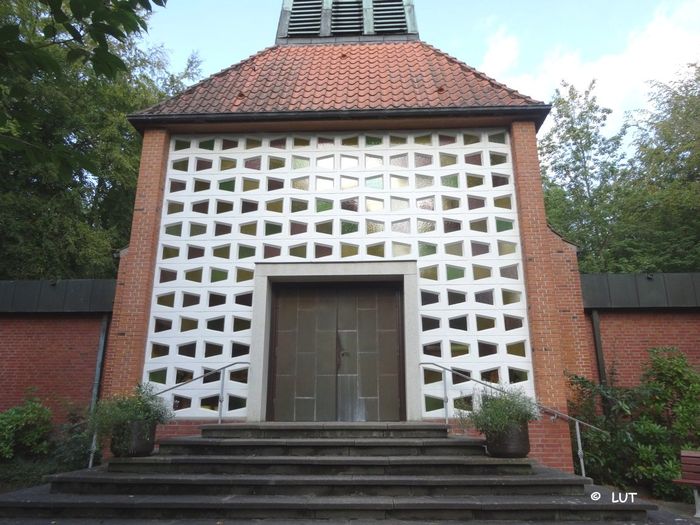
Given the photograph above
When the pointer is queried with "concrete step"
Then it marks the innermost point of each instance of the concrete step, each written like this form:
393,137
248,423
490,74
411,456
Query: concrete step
323,465
100,482
41,503
322,447
126,521
324,430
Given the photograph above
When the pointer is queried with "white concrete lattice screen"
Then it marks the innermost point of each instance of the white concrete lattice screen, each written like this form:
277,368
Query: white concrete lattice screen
444,199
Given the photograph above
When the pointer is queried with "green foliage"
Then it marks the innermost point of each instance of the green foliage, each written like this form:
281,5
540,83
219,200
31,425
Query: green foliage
640,214
667,144
646,426
68,156
62,449
581,167
111,415
498,411
71,444
25,430
661,226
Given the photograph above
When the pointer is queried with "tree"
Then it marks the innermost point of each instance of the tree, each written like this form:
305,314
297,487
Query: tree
581,167
69,169
86,31
660,228
668,143
627,215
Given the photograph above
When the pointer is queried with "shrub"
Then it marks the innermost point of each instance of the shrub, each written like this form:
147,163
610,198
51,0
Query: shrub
31,448
71,443
25,430
647,425
498,411
143,405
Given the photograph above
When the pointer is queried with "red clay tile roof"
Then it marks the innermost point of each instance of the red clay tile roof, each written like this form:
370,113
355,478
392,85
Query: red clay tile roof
342,77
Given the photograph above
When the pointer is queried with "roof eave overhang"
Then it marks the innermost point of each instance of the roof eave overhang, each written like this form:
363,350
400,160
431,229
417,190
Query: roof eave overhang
534,113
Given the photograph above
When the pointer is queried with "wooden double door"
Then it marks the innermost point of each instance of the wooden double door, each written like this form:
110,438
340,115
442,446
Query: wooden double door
336,353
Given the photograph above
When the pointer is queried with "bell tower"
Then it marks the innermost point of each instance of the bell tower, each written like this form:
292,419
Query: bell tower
337,21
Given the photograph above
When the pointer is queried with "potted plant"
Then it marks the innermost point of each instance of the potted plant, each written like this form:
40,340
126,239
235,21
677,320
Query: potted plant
130,421
502,417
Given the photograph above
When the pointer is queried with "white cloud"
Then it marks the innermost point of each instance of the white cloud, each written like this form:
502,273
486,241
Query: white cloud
657,52
501,53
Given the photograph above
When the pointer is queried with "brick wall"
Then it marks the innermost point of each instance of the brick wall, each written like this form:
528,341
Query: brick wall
53,355
560,335
132,303
628,334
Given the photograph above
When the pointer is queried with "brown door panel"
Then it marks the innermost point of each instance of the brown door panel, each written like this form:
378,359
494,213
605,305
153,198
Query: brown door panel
337,353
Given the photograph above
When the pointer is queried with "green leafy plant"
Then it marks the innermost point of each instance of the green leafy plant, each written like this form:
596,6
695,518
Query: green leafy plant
647,426
25,430
141,405
498,411
113,417
38,449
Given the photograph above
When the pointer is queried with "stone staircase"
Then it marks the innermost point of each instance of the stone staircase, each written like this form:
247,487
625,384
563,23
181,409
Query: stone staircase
334,472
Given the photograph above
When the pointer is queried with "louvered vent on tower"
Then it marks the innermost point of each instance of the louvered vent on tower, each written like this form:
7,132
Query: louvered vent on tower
347,17
305,18
389,16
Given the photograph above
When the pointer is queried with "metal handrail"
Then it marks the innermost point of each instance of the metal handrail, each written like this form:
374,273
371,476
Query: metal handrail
221,386
93,446
554,412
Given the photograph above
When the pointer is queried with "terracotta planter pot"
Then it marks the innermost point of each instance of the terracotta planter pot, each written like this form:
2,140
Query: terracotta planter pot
513,443
134,439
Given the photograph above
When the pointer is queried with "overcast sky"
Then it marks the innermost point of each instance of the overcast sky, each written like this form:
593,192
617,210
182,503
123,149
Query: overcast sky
529,45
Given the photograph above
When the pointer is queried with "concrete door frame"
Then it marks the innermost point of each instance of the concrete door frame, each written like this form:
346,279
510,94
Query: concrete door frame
268,273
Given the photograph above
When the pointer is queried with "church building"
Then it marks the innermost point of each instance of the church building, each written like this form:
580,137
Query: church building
352,223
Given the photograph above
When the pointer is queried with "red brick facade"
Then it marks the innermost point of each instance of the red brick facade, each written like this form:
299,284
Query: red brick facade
560,335
627,335
50,356
132,303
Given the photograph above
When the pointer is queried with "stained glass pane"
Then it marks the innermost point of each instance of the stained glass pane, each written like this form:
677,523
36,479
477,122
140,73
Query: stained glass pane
375,227
433,349
201,185
424,181
376,250
348,227
243,274
323,205
425,249
207,144
348,250
427,203
227,185
227,164
398,183
298,251
484,323
253,163
454,248
517,349
275,163
458,349
245,251
300,163
401,226
174,229
376,183
429,272
474,180
470,138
